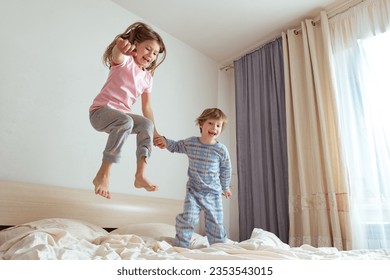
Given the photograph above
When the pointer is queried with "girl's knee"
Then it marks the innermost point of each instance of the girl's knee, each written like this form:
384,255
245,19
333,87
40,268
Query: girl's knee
126,122
122,123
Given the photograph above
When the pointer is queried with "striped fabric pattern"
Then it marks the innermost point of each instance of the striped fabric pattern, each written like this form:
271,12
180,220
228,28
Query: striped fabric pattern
209,167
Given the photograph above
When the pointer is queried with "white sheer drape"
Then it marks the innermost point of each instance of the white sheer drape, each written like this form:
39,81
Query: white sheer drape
361,47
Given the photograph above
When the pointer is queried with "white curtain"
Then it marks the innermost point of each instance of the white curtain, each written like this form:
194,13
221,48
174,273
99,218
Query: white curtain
318,193
361,60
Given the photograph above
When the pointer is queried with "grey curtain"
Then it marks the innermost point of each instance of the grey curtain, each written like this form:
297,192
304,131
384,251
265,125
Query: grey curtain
261,142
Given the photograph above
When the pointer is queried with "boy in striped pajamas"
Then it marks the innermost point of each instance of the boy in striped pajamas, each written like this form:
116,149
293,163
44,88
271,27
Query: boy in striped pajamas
209,175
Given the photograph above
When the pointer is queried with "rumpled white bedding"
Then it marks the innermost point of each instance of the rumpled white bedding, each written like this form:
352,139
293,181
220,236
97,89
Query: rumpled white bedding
61,239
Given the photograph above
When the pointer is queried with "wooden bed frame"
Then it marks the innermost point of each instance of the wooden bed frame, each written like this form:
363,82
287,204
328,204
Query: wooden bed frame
25,202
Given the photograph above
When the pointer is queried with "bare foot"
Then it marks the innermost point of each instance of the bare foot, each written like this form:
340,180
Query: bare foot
101,186
141,182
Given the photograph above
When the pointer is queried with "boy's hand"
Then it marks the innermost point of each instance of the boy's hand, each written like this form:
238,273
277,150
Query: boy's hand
227,193
125,47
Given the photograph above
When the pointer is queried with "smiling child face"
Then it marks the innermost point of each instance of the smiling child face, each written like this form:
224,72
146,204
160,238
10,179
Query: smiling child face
147,52
211,129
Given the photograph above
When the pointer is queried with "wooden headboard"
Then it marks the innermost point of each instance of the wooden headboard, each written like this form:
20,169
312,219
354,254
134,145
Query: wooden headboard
25,202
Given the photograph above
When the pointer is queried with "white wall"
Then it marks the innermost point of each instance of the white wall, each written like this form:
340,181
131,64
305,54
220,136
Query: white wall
50,71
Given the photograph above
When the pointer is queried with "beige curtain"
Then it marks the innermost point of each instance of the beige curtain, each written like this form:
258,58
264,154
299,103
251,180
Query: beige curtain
318,194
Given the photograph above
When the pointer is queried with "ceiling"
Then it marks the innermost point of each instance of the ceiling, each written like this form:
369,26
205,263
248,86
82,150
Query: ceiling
224,30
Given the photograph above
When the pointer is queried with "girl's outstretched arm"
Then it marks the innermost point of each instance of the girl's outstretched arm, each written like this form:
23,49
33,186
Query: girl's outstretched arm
123,47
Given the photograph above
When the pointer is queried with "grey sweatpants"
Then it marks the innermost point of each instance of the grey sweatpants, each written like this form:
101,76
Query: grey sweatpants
119,125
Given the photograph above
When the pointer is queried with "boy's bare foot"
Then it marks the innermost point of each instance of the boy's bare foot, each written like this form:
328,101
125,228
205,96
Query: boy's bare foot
101,186
141,182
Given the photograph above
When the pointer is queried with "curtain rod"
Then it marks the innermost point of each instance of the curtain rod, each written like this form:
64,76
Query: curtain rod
332,12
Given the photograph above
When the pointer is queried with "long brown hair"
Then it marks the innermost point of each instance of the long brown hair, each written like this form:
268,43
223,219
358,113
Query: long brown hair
139,32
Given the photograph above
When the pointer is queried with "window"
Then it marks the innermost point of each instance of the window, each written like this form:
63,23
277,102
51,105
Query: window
363,100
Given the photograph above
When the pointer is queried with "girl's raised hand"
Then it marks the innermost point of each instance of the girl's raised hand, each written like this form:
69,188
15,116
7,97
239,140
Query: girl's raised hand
125,47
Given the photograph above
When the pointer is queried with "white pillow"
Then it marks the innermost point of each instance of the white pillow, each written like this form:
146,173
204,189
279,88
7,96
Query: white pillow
77,228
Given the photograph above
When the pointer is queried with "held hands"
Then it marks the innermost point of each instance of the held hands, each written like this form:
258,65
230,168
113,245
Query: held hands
125,47
159,141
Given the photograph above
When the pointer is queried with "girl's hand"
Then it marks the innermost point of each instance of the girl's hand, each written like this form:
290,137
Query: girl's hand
125,47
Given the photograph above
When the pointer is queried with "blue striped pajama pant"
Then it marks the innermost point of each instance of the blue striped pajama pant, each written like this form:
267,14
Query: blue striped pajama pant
211,205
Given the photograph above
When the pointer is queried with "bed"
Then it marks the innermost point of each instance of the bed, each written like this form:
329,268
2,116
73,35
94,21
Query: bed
59,223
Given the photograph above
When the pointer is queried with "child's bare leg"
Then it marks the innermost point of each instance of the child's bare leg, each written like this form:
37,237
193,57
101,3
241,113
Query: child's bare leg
140,179
101,180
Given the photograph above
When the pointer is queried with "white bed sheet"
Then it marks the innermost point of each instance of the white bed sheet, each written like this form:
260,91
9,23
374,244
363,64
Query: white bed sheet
64,239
